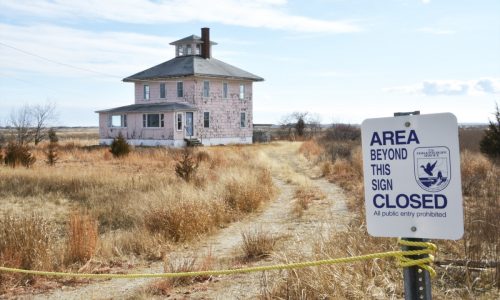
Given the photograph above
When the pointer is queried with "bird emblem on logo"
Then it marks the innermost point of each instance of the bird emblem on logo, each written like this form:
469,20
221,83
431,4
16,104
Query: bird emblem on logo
428,168
432,168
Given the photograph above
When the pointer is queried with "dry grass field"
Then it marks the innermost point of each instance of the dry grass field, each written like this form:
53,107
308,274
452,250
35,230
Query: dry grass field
118,211
95,213
467,268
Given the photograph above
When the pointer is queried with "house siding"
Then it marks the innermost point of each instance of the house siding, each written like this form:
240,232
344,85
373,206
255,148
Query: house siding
135,129
224,112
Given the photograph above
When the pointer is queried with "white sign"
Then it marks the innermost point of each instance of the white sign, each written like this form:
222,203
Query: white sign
412,176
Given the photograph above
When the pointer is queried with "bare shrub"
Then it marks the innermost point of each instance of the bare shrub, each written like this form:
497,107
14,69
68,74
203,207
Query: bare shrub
343,132
257,243
186,165
338,150
18,154
82,237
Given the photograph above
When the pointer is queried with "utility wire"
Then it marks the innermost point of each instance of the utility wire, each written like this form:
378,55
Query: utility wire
59,63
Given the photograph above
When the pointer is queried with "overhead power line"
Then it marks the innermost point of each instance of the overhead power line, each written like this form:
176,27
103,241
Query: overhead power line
57,62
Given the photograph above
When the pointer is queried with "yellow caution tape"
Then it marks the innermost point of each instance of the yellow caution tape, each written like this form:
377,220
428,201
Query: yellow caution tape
402,256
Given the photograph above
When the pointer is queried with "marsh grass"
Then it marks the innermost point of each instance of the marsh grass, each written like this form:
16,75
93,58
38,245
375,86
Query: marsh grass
462,265
27,242
257,243
82,237
134,207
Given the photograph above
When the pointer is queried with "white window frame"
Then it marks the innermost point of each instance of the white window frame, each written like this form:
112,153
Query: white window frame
206,88
242,91
243,119
189,50
163,86
208,119
146,92
177,121
161,120
225,90
182,89
180,50
123,121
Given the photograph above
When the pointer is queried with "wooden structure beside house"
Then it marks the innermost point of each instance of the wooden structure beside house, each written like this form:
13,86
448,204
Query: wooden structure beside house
188,99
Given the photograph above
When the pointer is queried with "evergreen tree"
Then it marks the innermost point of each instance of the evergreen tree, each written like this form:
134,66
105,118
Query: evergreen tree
490,144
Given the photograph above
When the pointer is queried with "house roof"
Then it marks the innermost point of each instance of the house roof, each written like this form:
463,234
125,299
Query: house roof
191,39
192,65
150,107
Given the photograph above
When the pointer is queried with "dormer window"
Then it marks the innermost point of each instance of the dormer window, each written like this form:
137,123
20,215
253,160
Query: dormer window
180,50
189,50
198,49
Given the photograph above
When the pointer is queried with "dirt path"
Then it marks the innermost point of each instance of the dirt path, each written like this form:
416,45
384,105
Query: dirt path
288,171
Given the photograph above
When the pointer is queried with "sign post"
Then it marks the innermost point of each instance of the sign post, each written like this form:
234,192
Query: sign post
411,165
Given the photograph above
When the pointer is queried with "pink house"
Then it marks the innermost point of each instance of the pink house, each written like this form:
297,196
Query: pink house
192,98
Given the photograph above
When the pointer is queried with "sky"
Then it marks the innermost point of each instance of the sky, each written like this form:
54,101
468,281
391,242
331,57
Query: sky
340,60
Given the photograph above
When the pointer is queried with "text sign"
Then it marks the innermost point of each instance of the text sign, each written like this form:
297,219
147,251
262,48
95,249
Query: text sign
412,180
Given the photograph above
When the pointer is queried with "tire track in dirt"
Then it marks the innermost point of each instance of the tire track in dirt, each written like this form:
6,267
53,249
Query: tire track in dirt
275,217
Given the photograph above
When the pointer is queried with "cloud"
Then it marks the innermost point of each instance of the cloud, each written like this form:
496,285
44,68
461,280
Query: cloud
426,1
476,87
270,14
435,31
116,53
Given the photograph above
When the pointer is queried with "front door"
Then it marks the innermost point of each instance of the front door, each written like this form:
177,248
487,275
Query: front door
189,124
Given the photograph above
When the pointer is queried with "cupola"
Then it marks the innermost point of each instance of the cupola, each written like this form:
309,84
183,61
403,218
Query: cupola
195,45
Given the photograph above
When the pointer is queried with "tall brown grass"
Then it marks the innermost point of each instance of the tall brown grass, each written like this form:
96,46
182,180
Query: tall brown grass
135,206
27,242
82,237
257,243
467,268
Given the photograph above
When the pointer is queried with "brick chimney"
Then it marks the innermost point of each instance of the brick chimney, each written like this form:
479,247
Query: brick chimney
206,47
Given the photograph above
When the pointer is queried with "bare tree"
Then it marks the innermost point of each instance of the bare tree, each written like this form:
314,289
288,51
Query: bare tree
29,123
42,114
314,123
22,124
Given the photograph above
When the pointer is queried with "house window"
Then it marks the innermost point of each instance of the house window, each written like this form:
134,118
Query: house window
198,49
179,121
206,88
146,92
243,118
180,50
153,120
242,91
189,50
224,90
206,119
163,91
180,89
118,121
